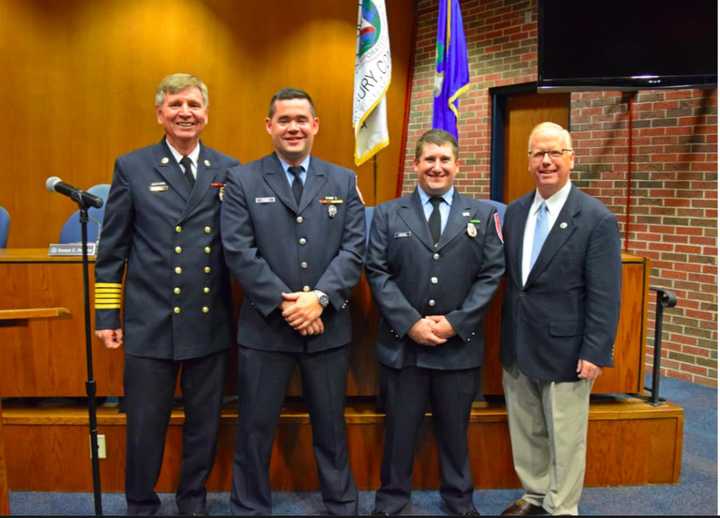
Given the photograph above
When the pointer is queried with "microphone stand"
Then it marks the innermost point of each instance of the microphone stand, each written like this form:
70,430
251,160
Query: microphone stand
90,383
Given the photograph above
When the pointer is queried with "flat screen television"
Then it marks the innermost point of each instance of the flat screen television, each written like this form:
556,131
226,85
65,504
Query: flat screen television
626,44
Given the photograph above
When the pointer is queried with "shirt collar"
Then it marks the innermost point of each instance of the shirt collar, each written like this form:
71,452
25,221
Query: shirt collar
425,197
555,202
305,164
194,154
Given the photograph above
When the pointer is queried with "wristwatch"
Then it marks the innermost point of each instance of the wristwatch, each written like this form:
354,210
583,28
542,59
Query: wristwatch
322,298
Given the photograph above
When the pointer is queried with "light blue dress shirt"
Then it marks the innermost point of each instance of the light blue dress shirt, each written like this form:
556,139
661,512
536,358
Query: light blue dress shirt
444,207
290,177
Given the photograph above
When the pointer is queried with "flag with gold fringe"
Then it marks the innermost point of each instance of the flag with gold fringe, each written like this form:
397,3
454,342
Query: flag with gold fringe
373,69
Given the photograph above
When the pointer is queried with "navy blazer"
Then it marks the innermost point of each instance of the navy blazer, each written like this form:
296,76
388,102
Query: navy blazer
570,305
177,296
411,278
273,245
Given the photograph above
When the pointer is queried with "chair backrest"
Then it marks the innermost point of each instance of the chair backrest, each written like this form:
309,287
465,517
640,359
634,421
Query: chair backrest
499,206
4,226
71,232
368,221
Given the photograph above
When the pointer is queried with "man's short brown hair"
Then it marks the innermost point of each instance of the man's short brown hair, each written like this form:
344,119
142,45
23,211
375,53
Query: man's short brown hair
439,138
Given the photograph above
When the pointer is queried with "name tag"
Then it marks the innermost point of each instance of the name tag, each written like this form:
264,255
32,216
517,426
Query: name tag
158,187
268,199
398,235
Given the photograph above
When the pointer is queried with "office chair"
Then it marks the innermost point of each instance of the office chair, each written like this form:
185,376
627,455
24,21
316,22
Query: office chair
70,232
4,226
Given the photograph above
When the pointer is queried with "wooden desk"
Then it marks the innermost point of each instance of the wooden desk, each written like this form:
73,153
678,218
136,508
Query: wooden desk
46,358
11,317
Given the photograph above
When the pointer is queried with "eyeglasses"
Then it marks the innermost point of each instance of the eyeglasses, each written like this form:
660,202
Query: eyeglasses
555,154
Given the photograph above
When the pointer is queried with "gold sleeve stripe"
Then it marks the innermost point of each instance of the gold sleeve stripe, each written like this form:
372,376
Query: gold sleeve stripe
108,284
100,288
107,299
107,306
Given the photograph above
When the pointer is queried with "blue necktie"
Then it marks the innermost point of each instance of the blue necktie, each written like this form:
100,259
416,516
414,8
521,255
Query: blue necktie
542,229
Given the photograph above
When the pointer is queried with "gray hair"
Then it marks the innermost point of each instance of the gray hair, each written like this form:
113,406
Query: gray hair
175,83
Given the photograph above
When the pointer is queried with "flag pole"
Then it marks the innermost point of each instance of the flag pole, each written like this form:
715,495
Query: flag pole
375,187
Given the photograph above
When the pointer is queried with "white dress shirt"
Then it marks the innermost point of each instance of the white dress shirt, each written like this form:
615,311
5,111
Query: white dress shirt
554,204
193,156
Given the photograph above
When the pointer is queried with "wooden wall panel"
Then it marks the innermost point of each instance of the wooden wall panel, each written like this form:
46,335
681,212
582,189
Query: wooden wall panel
80,77
4,500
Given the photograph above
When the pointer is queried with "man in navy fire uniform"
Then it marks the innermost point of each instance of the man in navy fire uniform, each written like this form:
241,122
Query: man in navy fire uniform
162,232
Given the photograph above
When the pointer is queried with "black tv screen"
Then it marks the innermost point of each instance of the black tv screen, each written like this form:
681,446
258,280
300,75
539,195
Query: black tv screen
626,44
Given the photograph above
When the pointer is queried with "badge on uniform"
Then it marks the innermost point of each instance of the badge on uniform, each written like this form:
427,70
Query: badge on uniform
466,214
398,235
158,187
331,201
266,199
220,187
471,230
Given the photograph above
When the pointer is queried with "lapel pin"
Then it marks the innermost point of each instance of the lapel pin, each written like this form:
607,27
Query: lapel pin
332,211
164,160
206,162
563,225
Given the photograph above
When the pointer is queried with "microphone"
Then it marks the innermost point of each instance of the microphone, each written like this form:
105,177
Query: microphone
85,199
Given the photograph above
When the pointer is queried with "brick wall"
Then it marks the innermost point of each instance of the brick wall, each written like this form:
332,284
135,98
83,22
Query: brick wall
673,204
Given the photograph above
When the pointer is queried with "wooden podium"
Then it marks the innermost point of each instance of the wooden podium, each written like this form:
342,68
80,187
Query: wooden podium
46,358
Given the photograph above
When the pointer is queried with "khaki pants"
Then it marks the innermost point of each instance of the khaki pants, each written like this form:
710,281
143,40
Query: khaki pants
548,430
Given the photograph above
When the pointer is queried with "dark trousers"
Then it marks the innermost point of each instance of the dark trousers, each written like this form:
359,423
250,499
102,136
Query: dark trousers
406,392
149,388
263,377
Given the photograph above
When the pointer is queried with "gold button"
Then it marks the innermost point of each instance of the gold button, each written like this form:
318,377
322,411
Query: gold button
178,229
207,249
178,270
207,230
206,290
177,310
177,290
306,288
207,269
205,309
178,249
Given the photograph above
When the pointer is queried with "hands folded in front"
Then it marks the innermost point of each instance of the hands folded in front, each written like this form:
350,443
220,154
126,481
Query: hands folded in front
432,330
302,310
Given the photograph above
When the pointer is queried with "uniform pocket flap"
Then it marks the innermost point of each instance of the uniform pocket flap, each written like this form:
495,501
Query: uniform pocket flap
565,329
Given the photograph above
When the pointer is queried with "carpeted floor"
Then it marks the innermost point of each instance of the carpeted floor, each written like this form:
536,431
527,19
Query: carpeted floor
696,494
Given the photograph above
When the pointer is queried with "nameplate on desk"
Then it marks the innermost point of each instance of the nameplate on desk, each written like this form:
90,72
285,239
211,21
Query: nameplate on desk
71,248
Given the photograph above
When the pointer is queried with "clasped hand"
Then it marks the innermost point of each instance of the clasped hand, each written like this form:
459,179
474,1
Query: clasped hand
302,310
432,330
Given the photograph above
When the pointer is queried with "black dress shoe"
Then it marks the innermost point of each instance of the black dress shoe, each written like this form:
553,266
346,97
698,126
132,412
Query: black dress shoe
378,512
471,512
524,508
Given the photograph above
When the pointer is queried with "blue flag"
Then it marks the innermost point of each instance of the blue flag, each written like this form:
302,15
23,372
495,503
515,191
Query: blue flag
452,77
